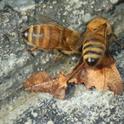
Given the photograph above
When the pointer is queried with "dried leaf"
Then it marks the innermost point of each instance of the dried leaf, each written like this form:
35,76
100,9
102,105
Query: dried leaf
35,79
105,78
42,82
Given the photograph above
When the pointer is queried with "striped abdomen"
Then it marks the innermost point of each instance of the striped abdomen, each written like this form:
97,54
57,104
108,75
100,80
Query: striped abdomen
93,51
51,36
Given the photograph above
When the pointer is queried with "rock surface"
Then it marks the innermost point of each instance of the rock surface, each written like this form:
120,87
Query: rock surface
81,106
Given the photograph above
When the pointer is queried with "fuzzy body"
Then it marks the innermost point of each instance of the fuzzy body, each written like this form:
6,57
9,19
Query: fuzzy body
52,36
96,41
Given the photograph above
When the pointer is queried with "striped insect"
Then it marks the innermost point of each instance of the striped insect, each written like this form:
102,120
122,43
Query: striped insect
52,36
96,41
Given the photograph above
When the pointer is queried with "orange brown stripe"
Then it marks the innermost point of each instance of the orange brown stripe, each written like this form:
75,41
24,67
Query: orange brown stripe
45,42
60,38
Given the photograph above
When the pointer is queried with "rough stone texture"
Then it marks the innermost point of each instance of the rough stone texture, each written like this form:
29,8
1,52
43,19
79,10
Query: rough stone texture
81,106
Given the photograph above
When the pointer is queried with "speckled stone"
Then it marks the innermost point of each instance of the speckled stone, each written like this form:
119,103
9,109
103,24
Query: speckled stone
113,1
81,106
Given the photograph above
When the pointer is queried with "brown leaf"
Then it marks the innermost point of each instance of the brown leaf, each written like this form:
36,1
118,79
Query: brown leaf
102,78
59,90
42,82
105,78
115,84
35,79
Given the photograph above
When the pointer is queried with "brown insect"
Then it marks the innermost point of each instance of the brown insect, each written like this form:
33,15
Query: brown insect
94,45
52,36
96,41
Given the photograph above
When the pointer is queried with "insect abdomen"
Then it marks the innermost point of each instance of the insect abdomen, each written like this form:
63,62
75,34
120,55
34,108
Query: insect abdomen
51,36
93,51
43,36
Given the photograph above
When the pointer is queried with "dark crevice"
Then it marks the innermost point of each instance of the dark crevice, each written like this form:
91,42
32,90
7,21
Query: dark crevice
38,1
119,2
113,9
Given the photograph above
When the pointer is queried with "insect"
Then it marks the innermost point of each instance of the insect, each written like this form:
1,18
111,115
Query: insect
52,36
96,41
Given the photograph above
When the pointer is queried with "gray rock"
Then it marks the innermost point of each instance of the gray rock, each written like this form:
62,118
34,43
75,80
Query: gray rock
81,106
114,1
